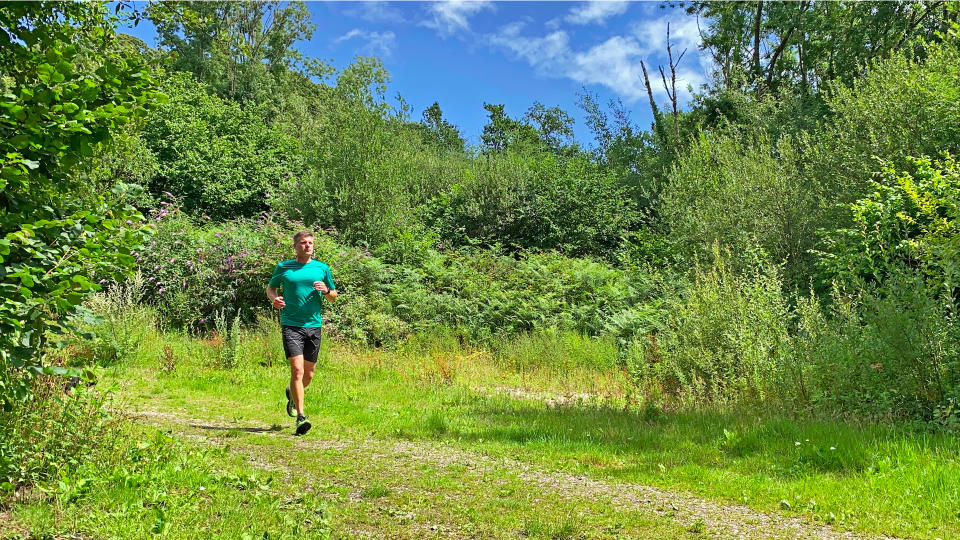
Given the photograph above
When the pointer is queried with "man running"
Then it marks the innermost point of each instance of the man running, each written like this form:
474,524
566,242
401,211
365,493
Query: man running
305,284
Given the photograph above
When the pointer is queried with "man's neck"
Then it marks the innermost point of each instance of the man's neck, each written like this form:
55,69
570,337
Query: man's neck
304,259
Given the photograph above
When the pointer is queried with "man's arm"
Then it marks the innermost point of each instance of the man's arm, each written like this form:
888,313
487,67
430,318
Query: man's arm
325,290
274,296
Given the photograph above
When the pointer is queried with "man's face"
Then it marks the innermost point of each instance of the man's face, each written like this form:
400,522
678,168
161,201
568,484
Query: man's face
304,246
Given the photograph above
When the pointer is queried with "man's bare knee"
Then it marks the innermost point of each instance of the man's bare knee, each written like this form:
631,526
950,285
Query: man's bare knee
296,368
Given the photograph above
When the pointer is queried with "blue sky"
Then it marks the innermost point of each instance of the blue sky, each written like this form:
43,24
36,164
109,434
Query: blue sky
463,54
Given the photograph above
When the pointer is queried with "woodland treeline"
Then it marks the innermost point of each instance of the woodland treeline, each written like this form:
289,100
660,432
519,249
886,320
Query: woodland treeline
787,239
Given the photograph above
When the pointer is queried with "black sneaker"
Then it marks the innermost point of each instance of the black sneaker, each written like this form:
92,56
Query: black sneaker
291,410
303,425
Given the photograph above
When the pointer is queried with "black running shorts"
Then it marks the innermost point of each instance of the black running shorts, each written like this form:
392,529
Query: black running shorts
298,340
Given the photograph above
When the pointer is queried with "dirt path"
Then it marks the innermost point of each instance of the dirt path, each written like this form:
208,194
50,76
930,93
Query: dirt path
711,518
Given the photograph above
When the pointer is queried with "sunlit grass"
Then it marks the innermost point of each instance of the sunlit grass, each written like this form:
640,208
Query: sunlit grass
577,417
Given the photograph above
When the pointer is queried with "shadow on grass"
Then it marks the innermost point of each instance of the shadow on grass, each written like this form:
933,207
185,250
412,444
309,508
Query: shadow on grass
273,428
778,445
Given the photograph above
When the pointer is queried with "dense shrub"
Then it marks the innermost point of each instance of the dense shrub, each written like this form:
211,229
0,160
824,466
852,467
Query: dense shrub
902,107
725,339
194,272
742,192
885,351
910,220
540,202
219,157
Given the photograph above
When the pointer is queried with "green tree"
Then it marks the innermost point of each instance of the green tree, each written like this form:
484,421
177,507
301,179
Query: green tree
66,87
553,124
764,46
438,132
217,155
502,132
241,49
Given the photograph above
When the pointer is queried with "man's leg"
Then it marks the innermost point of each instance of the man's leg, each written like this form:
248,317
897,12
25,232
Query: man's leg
297,382
308,368
311,351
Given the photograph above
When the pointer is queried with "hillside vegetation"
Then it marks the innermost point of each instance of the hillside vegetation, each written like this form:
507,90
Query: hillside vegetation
776,261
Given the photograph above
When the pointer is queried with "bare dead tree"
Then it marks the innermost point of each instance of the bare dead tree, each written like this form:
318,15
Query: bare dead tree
671,87
646,84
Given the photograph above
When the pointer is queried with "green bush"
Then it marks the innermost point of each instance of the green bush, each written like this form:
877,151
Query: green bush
902,107
535,202
885,351
218,157
726,338
743,192
66,87
909,220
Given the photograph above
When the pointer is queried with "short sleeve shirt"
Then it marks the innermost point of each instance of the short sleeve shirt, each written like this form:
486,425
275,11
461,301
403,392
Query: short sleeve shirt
304,304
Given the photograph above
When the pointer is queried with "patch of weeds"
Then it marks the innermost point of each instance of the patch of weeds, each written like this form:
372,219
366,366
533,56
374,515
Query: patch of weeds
829,457
539,528
735,444
698,526
168,362
437,423
375,491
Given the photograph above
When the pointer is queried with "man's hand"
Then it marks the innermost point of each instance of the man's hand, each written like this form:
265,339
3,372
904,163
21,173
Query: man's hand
278,302
321,287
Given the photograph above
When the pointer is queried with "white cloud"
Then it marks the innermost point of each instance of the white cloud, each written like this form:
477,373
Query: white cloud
596,11
375,43
614,63
377,12
452,16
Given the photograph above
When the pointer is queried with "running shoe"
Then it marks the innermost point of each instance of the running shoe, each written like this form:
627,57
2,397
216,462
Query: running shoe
291,410
303,425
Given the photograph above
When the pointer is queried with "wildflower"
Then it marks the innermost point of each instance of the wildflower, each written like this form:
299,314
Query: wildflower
172,260
796,443
833,447
156,267
160,291
217,235
102,281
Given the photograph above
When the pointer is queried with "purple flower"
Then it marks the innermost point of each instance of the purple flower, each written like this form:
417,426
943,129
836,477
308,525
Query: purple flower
172,260
168,194
160,291
217,235
102,281
199,250
157,267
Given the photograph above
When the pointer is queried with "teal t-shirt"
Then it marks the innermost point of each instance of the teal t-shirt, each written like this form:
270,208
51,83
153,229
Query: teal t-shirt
304,304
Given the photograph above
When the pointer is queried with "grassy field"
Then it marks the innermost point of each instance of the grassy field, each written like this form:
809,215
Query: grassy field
438,440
